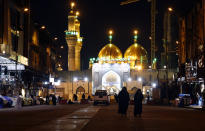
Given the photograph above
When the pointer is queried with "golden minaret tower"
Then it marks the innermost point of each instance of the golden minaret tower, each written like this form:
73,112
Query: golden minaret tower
73,39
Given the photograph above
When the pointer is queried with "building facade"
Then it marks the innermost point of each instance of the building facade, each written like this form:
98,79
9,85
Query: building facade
24,48
192,35
169,56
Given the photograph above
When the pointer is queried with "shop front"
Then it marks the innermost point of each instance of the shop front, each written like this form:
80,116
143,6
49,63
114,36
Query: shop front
10,75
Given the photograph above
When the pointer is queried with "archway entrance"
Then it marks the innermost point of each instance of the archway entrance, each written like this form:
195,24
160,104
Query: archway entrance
111,82
79,92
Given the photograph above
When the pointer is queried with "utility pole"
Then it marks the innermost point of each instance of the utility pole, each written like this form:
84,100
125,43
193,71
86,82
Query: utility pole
153,29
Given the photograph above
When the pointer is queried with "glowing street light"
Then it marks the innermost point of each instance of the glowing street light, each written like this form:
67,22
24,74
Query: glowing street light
177,42
140,79
43,27
110,32
77,13
75,79
165,67
56,38
26,9
72,4
170,9
85,79
62,47
139,67
129,79
154,85
135,32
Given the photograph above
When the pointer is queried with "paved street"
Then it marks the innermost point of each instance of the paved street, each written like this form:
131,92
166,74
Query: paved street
33,116
154,118
87,117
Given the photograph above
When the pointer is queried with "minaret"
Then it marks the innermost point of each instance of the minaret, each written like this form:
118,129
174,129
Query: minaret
135,36
73,39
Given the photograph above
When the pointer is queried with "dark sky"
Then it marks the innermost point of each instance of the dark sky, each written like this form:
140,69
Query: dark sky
98,16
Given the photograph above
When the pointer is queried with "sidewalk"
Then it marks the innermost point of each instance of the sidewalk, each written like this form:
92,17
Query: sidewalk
27,108
194,107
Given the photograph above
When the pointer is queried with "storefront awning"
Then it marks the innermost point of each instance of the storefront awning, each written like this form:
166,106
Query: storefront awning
10,64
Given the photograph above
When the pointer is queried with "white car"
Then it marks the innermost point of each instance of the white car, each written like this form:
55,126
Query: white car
101,97
14,101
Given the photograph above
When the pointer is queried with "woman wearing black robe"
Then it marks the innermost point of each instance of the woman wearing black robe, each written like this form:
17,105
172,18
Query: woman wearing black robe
124,99
138,103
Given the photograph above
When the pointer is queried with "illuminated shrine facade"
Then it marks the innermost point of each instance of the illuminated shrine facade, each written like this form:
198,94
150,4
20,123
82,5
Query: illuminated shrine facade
135,56
110,77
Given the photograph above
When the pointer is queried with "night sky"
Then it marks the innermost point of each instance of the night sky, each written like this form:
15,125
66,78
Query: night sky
98,16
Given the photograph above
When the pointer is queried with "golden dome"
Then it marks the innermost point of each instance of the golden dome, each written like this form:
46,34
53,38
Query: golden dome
136,52
110,51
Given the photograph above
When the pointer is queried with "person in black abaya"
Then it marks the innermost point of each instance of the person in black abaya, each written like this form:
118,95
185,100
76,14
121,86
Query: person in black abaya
124,99
138,103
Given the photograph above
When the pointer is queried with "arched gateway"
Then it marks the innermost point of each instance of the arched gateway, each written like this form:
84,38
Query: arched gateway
111,82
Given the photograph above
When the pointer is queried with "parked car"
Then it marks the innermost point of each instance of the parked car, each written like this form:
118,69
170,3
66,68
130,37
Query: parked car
14,101
40,101
101,97
7,102
27,101
184,100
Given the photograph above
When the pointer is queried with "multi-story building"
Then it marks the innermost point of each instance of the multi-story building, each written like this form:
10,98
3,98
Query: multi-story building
191,38
14,28
24,48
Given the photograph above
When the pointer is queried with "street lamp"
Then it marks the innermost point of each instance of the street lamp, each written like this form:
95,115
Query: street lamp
140,79
72,4
165,66
56,38
170,9
77,13
26,9
154,85
85,79
46,83
75,79
43,27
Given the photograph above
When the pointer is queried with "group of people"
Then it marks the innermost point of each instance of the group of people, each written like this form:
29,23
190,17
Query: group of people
51,99
123,101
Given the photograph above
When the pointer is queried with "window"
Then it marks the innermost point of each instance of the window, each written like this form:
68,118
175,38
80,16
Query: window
14,41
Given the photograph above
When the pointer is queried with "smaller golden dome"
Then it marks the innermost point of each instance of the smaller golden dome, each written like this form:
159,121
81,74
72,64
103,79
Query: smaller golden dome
136,52
110,51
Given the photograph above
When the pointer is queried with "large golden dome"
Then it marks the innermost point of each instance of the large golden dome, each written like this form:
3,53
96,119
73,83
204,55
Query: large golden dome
136,52
110,51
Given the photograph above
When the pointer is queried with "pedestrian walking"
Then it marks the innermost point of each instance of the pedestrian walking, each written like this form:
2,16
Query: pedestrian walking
138,103
54,99
124,99
18,102
47,100
83,96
